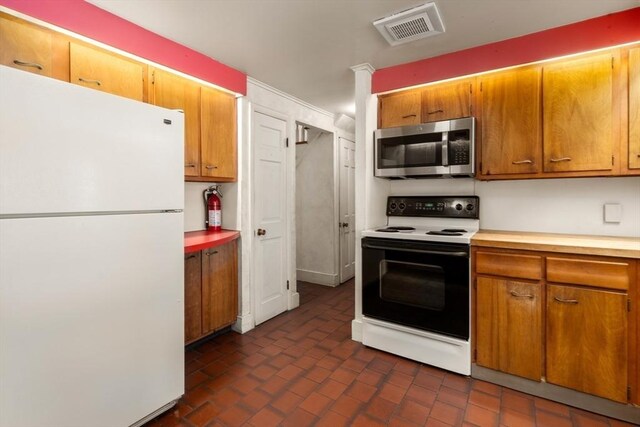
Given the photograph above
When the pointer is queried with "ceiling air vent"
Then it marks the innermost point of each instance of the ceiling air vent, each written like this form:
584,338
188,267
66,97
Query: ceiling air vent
412,24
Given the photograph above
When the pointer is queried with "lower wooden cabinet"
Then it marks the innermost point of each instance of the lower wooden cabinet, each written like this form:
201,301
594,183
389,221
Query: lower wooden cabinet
210,290
509,326
572,324
587,340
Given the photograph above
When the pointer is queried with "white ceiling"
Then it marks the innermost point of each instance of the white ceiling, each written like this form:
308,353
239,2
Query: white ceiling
305,47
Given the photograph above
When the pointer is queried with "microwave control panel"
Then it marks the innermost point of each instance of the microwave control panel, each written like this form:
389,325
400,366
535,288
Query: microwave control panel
434,206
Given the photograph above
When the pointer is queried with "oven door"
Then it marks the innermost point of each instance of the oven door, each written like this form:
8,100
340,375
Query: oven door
424,285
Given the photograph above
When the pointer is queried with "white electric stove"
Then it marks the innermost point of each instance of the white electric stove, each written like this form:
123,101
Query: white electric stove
416,280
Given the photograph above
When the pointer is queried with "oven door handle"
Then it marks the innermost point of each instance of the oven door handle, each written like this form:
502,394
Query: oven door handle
419,251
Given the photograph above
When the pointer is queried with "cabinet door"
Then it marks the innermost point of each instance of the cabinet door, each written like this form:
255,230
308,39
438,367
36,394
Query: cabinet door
98,69
511,128
175,92
26,47
587,341
399,109
509,326
578,115
219,287
634,108
446,101
218,134
192,297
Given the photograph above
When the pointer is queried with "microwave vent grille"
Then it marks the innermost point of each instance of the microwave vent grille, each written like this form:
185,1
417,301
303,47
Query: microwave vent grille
410,25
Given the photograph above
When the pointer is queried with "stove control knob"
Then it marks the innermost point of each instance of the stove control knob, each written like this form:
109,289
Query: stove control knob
393,206
469,207
402,206
459,207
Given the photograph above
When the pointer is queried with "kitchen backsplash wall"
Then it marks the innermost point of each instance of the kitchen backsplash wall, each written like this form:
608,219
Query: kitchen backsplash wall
194,206
552,205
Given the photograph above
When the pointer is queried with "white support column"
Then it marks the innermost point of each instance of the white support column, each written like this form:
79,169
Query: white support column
371,192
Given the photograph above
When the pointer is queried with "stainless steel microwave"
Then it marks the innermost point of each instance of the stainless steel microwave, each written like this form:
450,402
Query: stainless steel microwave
435,149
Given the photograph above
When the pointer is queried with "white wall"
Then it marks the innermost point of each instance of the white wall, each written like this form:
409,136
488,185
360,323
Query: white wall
194,206
315,213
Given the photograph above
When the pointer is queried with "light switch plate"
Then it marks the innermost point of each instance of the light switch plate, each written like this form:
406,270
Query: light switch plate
613,212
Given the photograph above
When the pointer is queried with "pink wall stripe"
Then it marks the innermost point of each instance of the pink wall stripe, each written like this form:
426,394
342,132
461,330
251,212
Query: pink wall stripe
90,21
609,30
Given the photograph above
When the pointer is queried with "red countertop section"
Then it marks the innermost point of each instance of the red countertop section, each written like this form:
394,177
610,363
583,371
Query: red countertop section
198,240
596,33
97,24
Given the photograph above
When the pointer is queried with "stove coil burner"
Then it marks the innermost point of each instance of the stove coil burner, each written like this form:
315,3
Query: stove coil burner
395,229
448,232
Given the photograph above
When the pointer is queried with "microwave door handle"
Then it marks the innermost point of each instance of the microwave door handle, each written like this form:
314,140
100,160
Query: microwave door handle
445,148
419,251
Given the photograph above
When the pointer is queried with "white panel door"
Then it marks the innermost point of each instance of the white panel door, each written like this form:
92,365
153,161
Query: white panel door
347,210
65,148
91,319
270,206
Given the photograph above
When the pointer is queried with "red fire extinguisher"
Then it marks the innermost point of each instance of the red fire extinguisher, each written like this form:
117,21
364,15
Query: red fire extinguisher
213,208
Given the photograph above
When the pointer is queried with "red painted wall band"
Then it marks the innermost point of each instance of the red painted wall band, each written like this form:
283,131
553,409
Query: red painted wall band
97,24
604,31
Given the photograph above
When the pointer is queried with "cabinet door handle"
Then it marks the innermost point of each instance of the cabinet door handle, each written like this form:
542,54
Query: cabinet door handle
409,115
28,64
639,156
566,301
211,253
561,159
211,167
96,82
435,112
517,295
190,165
191,256
522,162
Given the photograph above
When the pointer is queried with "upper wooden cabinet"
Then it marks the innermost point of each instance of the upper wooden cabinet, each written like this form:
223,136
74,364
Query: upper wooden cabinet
587,341
399,109
510,122
578,114
446,101
218,134
105,71
634,108
175,92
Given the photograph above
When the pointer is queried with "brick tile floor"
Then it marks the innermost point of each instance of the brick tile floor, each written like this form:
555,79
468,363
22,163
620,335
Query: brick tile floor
302,369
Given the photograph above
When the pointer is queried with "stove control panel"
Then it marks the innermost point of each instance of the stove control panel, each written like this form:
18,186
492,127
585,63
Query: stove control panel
434,206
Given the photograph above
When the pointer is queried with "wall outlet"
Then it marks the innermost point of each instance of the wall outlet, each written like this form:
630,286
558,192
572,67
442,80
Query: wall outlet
613,212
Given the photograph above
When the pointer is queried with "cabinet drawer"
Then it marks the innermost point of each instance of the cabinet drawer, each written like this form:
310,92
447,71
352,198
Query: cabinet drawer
499,264
604,274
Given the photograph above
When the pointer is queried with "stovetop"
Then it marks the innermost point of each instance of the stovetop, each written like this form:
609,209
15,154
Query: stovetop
451,219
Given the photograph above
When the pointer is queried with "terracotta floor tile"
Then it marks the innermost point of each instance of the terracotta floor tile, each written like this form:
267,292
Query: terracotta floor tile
484,400
305,362
318,374
266,418
361,391
433,422
299,418
254,360
274,385
380,365
354,364
413,411
407,366
315,403
271,350
289,372
480,416
401,422
202,415
226,397
431,370
345,376
453,397
332,389
215,368
584,419
281,361
256,400
428,381
517,402
421,395
245,385
550,419
446,413
549,406
485,387
381,408
346,405
197,396
287,402
512,418
364,420
457,382
392,393
332,419
329,362
234,416
370,377
303,387
400,379
194,379
263,372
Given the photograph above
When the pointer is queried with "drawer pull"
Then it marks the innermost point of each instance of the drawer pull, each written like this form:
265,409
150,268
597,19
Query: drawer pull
566,301
190,165
191,256
211,167
96,82
435,112
522,162
517,295
561,159
211,253
409,115
28,64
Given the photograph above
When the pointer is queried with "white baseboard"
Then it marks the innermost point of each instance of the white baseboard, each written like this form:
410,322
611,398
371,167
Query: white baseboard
356,330
318,278
244,324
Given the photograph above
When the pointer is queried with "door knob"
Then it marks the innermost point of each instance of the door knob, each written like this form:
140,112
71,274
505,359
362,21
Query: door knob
344,224
261,231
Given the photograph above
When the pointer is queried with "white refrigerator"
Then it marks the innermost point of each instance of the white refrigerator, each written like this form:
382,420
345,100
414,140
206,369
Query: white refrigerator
91,256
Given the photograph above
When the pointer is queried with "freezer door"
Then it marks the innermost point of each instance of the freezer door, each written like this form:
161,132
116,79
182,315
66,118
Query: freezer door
91,319
65,148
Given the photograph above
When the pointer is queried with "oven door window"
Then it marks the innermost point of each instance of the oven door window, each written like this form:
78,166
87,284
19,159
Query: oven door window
416,285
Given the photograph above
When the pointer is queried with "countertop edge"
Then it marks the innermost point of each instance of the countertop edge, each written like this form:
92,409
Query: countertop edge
195,241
